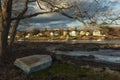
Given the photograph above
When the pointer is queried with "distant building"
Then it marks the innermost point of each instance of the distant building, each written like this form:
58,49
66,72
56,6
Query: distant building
97,33
82,33
87,33
65,33
73,33
51,33
28,35
39,34
56,33
8,37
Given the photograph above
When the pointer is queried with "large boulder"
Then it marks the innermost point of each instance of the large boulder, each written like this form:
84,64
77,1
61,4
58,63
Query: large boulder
33,63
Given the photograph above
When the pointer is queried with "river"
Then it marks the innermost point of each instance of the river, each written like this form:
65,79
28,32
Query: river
112,56
105,55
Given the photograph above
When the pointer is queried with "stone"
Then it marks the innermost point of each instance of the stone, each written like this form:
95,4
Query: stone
33,63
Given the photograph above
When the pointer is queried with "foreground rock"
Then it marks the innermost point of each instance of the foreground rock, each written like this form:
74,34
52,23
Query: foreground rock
33,63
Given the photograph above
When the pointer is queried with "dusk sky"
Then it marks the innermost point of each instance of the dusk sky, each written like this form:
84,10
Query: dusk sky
55,20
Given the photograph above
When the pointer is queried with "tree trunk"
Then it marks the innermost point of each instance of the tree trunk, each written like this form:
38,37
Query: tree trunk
1,45
1,32
13,32
3,41
3,38
6,13
5,22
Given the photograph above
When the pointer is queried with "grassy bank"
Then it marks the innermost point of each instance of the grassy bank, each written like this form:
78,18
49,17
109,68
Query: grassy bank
72,72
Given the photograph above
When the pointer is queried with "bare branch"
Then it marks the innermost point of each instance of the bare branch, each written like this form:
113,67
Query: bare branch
25,9
33,15
115,19
38,2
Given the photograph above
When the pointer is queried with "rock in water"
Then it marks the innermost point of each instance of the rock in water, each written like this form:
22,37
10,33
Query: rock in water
33,63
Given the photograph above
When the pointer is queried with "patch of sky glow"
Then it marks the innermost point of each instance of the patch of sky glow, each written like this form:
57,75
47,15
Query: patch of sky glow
115,0
75,24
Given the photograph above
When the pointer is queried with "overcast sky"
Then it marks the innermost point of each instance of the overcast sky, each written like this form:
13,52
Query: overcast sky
56,20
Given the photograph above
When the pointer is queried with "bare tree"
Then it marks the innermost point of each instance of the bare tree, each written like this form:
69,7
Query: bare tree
94,12
11,15
16,22
87,12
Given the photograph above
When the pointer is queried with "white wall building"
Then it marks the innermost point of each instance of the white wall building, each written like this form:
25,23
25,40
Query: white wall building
73,33
97,33
82,33
51,34
65,33
87,33
28,36
8,37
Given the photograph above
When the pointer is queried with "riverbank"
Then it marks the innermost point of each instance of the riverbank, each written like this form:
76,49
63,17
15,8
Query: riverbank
67,64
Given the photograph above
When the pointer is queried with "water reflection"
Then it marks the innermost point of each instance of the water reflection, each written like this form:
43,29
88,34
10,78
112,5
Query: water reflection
101,55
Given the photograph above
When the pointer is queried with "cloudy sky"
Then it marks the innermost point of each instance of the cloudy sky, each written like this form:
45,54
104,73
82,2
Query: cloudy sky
55,20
